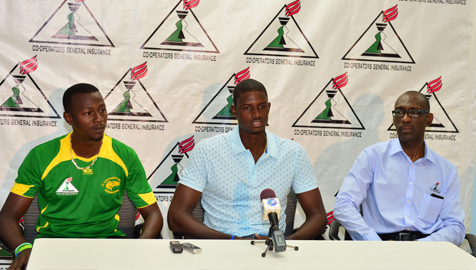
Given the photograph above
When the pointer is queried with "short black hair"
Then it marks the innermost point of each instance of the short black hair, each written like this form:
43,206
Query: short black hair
248,86
79,88
423,99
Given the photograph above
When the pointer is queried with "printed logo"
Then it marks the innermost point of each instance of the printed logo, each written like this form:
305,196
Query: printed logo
20,95
330,217
328,110
72,24
380,42
67,188
218,109
436,188
167,174
272,202
181,31
283,36
131,101
441,120
111,184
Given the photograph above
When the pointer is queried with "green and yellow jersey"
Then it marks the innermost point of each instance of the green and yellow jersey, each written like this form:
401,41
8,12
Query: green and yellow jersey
82,203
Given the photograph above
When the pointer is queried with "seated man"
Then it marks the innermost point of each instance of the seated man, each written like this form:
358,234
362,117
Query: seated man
407,191
229,172
80,179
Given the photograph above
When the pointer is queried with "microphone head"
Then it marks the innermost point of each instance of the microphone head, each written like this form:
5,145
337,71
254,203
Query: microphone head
267,193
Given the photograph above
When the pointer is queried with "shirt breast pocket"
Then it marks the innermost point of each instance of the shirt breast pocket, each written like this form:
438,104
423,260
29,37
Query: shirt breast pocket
430,208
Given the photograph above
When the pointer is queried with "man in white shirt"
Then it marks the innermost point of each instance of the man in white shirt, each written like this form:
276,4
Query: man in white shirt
406,190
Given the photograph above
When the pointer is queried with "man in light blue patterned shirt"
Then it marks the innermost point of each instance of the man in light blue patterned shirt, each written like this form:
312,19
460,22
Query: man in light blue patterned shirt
406,190
229,171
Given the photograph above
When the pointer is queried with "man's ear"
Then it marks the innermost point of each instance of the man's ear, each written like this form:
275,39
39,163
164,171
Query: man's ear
68,118
233,110
429,119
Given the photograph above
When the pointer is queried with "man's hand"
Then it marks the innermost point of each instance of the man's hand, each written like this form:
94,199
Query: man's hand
21,260
261,237
256,237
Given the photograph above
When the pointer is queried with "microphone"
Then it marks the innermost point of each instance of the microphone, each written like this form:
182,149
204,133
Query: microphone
272,211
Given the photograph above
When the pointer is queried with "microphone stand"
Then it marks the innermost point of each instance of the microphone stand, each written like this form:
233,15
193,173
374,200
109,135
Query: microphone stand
276,237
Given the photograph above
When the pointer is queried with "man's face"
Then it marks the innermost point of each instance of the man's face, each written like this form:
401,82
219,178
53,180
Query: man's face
88,115
251,110
411,129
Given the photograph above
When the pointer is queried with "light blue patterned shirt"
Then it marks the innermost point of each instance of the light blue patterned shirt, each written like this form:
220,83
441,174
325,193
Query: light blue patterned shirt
231,183
398,194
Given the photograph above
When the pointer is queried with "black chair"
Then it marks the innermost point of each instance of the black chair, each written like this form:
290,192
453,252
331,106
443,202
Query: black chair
127,218
336,226
290,211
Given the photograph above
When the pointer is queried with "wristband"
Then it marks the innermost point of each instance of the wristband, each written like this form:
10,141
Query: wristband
22,247
232,237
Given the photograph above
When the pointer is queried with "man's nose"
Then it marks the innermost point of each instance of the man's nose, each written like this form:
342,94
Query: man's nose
255,112
98,117
406,117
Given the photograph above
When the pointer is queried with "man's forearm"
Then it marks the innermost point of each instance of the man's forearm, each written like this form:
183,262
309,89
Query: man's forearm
314,226
11,232
353,222
152,226
188,226
453,233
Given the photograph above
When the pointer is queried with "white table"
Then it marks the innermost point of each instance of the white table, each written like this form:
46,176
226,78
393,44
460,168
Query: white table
240,254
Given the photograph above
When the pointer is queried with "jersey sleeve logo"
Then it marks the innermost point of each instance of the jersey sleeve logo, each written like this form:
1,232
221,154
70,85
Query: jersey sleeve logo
67,188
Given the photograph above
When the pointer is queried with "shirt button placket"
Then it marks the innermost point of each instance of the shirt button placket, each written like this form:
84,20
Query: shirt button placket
409,195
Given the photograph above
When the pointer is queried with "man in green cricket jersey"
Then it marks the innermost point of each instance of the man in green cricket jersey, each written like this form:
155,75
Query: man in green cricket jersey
80,179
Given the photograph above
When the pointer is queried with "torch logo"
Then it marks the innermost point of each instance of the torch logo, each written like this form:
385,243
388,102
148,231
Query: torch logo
218,109
380,42
167,174
441,120
72,24
181,31
131,100
328,110
283,36
20,96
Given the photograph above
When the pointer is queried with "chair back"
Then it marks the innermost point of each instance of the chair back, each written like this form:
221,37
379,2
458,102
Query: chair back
29,220
290,212
334,231
127,216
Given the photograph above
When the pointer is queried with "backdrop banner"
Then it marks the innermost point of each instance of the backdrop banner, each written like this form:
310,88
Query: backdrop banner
166,69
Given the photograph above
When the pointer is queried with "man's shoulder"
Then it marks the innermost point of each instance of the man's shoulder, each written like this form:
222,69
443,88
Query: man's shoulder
121,148
439,160
117,143
284,143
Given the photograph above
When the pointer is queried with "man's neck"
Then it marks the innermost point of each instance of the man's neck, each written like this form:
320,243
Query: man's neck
255,143
414,150
85,148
